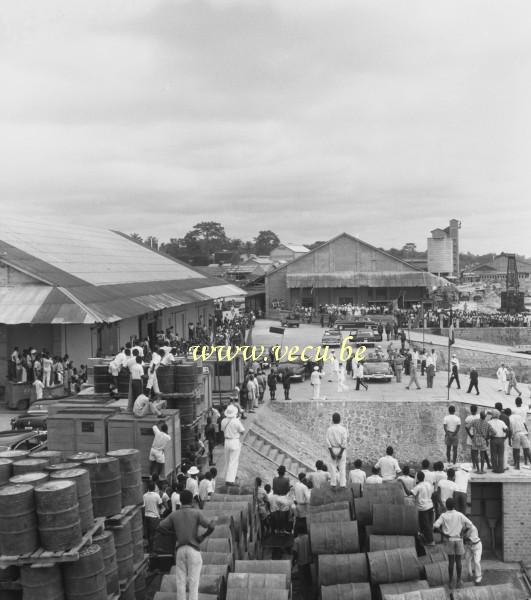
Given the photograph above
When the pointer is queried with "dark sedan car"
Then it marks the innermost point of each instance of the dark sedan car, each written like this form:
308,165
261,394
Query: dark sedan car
33,419
23,440
297,369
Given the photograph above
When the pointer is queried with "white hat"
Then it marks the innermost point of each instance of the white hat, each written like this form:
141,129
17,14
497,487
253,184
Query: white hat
193,470
316,368
231,411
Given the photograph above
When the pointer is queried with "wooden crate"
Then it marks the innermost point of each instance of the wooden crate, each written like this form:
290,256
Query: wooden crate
78,432
128,431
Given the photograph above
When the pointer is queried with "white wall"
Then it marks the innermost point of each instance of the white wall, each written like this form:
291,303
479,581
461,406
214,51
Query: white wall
77,343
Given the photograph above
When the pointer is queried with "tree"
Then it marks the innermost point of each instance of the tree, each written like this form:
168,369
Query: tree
136,237
206,238
409,249
265,241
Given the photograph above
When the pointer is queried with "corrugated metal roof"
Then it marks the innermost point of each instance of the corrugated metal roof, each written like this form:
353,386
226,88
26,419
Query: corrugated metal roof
295,247
135,280
364,279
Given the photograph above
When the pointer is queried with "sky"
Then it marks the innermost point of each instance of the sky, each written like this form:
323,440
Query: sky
382,118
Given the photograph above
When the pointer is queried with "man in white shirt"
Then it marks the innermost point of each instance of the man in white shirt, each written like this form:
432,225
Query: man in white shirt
422,494
144,406
497,434
468,423
519,436
192,485
152,503
157,456
336,440
152,382
205,488
447,487
232,428
406,480
451,523
451,425
388,465
301,494
374,478
357,475
315,380
473,552
319,477
501,374
136,369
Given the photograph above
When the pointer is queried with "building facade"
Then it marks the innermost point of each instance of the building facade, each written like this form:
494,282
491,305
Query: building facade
347,270
443,250
286,252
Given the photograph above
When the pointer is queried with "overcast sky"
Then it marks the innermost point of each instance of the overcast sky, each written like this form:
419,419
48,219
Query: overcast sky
382,118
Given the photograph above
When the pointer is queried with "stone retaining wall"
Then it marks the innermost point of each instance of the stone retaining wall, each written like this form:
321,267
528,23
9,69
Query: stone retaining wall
414,429
505,336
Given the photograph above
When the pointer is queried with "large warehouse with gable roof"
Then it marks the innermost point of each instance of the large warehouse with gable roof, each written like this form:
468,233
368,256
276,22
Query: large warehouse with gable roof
78,290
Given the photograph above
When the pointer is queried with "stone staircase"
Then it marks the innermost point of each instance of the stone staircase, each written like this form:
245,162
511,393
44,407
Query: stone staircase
258,442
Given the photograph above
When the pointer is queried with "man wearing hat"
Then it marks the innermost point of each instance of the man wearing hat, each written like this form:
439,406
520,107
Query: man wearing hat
232,429
455,372
192,485
315,380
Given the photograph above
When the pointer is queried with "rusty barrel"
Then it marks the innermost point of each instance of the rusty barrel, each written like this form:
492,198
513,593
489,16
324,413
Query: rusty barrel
334,538
102,379
327,494
80,457
123,543
106,542
363,511
403,587
14,455
390,542
29,478
331,507
224,545
187,377
53,456
248,581
58,515
334,569
218,558
30,465
106,485
137,535
330,516
166,379
258,594
394,519
62,466
238,512
18,521
208,584
502,591
84,494
130,475
6,470
346,591
123,382
384,494
264,566
43,583
391,566
437,574
85,578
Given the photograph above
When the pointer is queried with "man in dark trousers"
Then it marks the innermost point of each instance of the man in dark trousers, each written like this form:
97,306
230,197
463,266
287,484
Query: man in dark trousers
272,384
286,383
455,372
473,381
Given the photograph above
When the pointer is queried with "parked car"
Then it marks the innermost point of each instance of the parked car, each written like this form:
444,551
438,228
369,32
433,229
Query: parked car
35,418
296,368
355,324
23,440
291,320
376,369
332,337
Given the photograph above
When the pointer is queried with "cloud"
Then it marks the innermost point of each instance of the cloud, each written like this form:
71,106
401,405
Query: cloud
381,118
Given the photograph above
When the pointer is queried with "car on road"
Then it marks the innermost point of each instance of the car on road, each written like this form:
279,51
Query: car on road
297,369
355,324
23,440
332,337
363,337
290,320
34,418
376,368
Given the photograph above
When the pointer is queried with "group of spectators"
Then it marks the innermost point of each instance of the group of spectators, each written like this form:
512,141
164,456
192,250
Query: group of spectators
413,317
44,370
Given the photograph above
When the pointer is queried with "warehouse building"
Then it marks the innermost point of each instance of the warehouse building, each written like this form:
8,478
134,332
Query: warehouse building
86,292
348,270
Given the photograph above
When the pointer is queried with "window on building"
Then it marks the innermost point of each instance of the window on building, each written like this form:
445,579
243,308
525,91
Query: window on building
222,369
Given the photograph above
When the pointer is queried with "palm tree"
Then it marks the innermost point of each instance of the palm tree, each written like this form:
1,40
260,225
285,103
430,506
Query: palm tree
136,237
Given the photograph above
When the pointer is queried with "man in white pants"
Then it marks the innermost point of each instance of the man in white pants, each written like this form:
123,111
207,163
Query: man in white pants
232,429
336,440
501,374
473,551
315,380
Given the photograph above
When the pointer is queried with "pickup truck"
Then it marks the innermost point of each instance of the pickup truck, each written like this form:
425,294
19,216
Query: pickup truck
290,320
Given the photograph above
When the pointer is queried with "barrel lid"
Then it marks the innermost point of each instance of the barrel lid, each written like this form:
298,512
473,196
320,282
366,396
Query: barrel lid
101,460
32,462
68,474
90,550
12,489
122,452
13,453
6,461
34,477
45,454
55,486
63,466
82,456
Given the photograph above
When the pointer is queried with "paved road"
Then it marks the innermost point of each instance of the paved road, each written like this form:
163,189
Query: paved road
390,392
